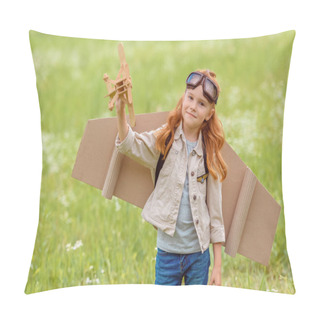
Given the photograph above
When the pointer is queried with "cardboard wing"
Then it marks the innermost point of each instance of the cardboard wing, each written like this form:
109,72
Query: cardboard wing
250,213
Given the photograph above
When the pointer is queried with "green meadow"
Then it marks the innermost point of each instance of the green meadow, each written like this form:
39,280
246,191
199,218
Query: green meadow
84,239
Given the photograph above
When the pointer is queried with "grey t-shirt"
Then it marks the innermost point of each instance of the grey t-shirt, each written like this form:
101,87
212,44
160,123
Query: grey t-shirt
185,239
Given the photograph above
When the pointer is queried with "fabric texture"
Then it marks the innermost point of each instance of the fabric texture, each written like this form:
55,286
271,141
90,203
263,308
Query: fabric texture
82,238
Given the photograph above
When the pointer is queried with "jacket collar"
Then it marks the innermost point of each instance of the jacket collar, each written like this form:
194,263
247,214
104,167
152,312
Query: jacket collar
179,133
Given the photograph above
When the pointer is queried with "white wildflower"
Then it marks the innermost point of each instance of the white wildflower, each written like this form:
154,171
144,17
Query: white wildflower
77,245
88,281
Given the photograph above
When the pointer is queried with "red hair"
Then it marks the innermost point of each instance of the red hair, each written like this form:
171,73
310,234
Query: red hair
212,132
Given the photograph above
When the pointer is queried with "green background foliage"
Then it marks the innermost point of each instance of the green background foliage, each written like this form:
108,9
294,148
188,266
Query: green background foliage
84,239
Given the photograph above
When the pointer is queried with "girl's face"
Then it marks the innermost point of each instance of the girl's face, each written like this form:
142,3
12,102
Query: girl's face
195,108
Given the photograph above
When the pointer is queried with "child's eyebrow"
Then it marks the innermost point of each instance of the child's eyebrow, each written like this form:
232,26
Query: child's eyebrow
200,99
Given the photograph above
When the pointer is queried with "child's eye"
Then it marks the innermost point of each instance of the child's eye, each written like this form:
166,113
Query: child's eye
190,97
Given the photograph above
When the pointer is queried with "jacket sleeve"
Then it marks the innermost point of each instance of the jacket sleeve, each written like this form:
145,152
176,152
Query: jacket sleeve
214,203
140,147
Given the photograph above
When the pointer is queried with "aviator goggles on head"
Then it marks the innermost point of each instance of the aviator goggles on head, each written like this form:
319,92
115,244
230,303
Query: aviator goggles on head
209,88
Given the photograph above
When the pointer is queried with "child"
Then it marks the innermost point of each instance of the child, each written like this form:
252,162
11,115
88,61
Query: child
185,205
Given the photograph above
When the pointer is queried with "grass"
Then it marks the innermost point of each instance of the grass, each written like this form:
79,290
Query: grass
84,239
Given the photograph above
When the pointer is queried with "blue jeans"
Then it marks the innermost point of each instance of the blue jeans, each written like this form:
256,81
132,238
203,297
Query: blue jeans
172,267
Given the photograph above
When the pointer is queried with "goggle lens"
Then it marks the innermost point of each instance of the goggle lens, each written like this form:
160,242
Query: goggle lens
209,88
194,79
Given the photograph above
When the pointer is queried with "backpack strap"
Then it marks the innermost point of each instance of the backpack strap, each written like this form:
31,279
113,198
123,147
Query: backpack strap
161,161
204,156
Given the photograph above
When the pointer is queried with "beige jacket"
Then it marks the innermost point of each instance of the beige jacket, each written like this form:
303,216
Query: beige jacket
162,206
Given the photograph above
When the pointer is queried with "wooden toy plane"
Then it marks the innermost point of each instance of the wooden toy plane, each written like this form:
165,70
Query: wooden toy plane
121,86
250,213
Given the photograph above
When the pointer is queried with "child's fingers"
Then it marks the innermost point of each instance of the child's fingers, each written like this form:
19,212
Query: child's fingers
120,103
217,281
215,278
212,279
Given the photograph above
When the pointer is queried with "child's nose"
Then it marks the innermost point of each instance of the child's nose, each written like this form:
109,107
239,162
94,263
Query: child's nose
192,105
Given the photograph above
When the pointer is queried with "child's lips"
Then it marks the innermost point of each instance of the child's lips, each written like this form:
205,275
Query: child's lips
191,115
